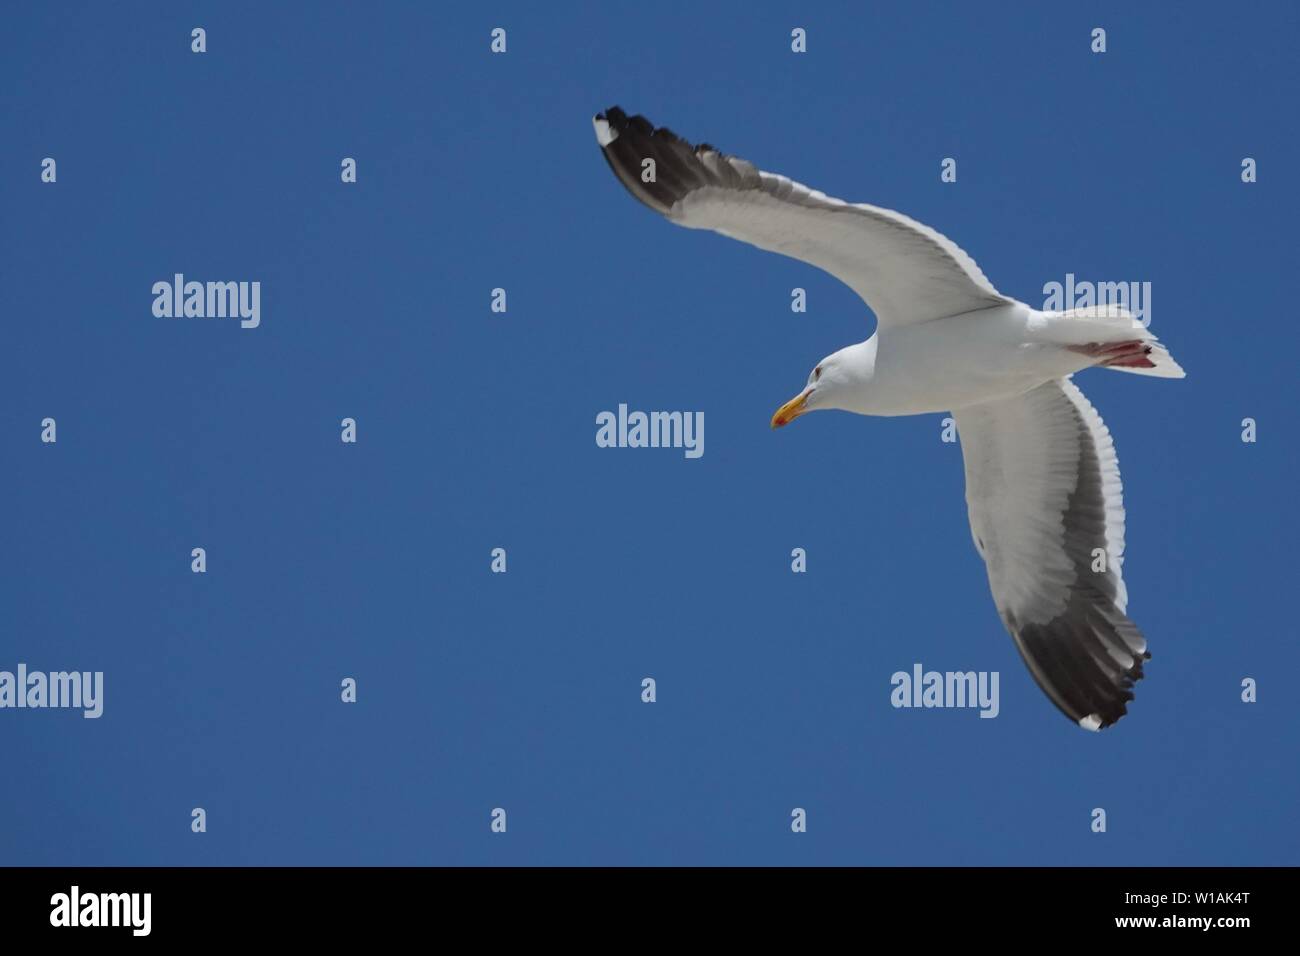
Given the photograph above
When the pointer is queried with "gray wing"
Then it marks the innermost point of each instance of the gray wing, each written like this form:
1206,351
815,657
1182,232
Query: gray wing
1047,515
905,271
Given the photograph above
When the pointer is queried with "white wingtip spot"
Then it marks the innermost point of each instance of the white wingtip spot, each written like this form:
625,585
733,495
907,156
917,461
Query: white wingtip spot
605,134
1091,722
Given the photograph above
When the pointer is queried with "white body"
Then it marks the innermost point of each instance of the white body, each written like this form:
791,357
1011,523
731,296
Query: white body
936,366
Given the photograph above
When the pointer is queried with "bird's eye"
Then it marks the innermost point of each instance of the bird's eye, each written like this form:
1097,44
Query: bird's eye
817,372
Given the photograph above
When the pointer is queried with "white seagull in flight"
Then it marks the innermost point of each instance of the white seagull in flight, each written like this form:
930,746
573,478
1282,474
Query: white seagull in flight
1042,481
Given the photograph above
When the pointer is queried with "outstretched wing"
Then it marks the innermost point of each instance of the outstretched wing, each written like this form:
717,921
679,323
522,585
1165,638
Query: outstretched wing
1046,508
905,271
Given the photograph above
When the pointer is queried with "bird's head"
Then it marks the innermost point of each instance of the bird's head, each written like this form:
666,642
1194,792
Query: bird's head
831,383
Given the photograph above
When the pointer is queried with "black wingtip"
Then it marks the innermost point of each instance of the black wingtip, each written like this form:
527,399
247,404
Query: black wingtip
660,168
613,117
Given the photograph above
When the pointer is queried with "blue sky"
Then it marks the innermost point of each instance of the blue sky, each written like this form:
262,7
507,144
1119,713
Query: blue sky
476,431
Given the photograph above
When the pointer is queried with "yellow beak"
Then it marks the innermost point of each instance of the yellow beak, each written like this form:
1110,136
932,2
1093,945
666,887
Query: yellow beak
791,409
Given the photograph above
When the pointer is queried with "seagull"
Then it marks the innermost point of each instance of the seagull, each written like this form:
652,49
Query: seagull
1043,489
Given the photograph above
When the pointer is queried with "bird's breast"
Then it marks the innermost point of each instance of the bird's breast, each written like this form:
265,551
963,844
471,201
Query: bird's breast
952,363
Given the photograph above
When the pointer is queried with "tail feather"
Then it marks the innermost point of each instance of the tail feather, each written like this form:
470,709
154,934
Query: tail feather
1112,324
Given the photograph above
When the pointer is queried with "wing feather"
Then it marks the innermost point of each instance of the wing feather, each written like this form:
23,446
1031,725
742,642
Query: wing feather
905,271
1046,508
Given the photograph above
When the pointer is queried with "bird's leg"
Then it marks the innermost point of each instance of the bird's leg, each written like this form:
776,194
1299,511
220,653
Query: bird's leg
1128,354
